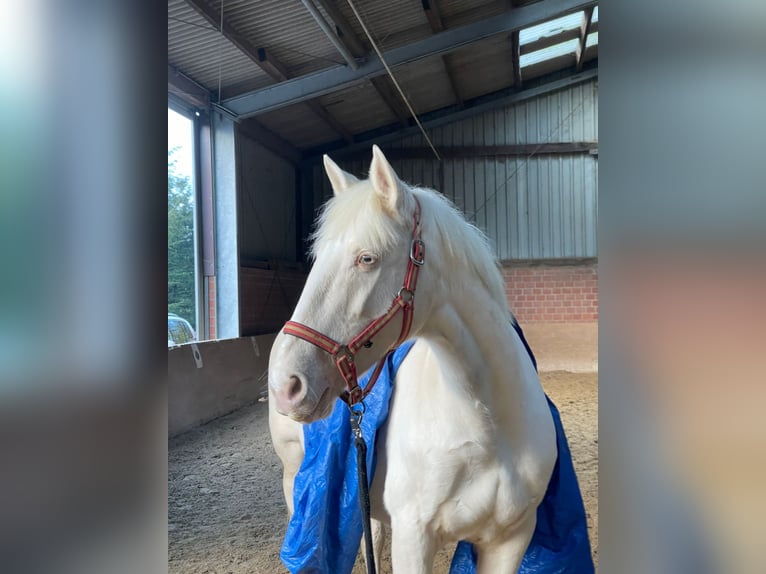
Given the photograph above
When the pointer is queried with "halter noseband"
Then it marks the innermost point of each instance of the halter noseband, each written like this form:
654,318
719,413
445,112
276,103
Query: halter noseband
344,354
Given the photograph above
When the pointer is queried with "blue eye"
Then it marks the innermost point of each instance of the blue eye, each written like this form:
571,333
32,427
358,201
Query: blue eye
367,259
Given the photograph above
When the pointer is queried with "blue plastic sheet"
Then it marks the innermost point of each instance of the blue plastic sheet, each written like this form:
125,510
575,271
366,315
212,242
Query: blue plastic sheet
325,531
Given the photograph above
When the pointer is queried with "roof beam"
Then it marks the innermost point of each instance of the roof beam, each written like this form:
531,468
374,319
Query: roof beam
214,19
436,118
263,59
338,77
584,31
434,15
348,37
334,39
516,59
512,150
277,71
431,8
345,32
271,65
187,89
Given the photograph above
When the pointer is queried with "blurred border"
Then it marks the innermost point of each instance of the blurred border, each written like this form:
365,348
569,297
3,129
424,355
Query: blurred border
682,212
82,233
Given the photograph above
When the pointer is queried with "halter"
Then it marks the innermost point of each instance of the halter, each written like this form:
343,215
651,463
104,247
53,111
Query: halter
344,354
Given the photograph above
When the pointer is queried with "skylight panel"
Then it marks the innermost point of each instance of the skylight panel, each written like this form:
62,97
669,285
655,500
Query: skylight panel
562,49
550,28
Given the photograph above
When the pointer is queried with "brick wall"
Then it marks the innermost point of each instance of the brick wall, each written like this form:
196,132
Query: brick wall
550,293
211,314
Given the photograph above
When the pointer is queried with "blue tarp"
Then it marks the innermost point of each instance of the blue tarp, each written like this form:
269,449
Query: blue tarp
325,531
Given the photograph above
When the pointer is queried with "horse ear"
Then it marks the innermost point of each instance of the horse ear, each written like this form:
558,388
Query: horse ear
339,179
385,181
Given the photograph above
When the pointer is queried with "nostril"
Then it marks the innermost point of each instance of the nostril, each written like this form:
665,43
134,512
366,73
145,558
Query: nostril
293,388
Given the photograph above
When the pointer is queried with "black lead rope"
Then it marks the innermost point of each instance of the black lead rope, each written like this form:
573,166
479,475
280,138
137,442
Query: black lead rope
364,490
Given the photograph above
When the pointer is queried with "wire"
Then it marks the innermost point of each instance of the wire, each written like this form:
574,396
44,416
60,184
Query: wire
393,79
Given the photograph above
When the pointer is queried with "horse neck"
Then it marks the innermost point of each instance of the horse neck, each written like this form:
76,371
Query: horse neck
476,329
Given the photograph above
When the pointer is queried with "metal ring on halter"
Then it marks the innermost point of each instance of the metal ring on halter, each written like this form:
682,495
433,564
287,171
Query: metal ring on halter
355,397
344,351
406,295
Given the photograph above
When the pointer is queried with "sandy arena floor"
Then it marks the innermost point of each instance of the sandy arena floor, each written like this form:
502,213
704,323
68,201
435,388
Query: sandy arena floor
226,513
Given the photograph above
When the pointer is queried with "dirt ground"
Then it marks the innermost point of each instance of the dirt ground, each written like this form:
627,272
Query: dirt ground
226,513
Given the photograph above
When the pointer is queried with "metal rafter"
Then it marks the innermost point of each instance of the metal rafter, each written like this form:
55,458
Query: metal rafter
516,59
332,36
187,89
263,59
339,77
584,31
433,13
348,37
511,150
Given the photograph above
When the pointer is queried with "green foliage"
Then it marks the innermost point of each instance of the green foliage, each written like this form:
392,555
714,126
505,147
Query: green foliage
180,243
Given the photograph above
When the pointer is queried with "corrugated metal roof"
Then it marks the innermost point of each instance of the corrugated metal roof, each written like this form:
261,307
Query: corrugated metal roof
392,23
484,67
358,108
293,38
202,53
426,84
298,125
286,29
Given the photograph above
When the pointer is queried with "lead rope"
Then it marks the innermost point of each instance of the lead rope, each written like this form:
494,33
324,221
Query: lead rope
364,489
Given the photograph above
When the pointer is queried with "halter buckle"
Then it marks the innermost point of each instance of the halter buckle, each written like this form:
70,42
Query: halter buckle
417,246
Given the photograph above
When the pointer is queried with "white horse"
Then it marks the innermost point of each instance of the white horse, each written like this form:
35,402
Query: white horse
469,445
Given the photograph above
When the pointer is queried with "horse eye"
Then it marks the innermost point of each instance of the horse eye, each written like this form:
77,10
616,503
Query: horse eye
367,259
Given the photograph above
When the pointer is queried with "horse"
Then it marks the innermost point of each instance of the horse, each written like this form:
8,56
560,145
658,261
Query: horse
469,446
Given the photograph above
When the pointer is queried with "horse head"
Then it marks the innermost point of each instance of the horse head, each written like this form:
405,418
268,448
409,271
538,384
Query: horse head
365,249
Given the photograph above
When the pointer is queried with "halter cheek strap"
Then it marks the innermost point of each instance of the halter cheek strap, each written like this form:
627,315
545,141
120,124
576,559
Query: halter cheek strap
403,302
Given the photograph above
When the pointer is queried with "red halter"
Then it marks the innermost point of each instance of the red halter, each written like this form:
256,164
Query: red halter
344,354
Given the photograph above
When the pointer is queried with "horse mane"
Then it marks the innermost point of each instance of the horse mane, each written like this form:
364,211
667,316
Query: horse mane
462,243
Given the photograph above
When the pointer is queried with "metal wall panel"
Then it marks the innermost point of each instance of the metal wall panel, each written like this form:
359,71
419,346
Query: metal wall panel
267,210
537,207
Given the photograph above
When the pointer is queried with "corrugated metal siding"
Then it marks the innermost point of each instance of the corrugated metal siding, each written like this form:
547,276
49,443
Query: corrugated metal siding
543,207
267,214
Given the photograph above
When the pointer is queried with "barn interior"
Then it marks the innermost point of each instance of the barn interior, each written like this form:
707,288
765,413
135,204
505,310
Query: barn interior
492,103
507,93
